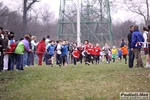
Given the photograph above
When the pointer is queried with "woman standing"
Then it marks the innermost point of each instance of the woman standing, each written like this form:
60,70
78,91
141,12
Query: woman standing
22,46
41,48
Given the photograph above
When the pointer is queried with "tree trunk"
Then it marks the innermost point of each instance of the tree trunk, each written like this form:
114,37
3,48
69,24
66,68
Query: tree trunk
24,17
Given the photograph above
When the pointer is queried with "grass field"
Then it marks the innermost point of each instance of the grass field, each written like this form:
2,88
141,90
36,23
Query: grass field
81,82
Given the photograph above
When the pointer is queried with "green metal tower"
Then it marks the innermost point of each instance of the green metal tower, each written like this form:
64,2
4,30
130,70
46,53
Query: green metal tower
95,18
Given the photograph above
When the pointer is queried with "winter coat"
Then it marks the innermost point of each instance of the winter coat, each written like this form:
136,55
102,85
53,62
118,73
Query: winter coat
137,39
41,47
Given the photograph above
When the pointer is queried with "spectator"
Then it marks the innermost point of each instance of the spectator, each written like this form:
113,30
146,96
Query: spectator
148,40
41,48
10,51
145,46
47,40
1,49
131,54
136,45
6,46
22,47
33,46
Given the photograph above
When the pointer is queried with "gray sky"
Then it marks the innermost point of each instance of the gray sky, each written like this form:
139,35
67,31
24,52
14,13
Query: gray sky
119,16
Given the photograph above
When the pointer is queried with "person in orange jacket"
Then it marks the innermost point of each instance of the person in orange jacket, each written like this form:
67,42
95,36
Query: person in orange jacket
125,52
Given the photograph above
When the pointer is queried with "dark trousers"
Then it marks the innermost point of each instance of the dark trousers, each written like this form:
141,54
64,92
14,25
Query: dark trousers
11,63
58,59
19,61
87,58
80,58
75,60
125,58
113,59
120,58
92,59
64,59
131,58
107,58
96,57
1,61
47,57
31,58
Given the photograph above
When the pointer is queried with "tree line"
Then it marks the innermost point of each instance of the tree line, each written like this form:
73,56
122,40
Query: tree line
43,22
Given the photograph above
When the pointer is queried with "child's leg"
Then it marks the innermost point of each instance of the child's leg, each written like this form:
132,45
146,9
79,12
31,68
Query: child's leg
125,59
95,58
113,60
74,61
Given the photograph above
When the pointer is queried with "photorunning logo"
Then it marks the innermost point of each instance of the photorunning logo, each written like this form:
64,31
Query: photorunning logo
134,95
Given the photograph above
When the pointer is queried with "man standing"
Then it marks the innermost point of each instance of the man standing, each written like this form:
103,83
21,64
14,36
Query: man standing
1,49
136,45
148,40
130,53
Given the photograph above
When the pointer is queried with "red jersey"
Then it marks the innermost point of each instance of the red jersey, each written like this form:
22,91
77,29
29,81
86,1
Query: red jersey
91,50
76,53
86,48
97,51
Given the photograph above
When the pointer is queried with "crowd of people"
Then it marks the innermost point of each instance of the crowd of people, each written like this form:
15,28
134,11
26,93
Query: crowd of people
27,52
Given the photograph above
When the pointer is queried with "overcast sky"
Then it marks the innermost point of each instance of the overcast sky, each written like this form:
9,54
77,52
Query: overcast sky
119,16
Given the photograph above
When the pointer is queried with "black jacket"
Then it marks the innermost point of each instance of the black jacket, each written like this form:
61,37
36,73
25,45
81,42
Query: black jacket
129,39
5,44
1,44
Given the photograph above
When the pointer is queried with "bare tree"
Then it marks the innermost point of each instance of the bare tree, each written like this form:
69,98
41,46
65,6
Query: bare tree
120,30
27,4
4,11
140,7
47,15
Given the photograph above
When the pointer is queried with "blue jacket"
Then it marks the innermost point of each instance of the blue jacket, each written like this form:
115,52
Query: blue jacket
119,53
51,49
64,50
137,39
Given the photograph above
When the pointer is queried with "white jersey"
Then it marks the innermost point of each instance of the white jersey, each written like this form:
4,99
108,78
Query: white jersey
145,44
58,49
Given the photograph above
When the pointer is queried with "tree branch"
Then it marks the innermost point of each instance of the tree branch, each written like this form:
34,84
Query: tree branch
29,6
136,9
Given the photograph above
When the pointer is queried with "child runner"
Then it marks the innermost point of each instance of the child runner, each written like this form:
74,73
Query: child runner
120,54
51,50
125,52
114,53
97,51
75,53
